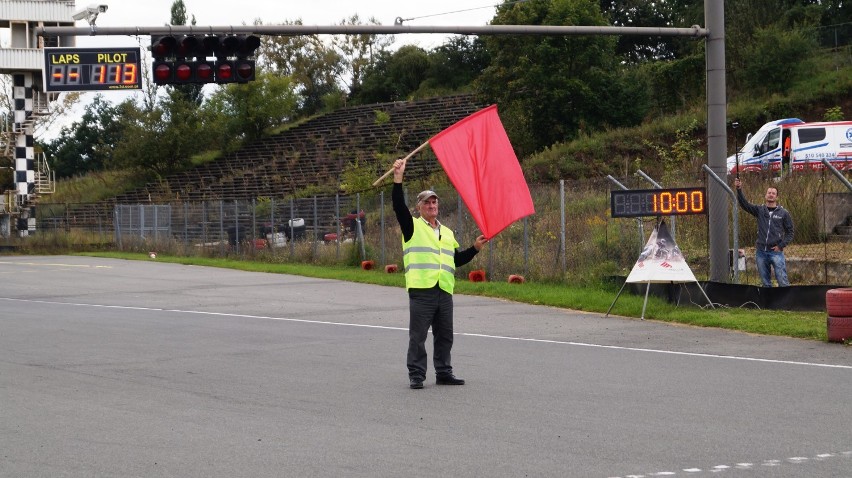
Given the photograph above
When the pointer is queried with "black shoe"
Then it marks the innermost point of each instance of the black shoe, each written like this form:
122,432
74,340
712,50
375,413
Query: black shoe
415,383
448,379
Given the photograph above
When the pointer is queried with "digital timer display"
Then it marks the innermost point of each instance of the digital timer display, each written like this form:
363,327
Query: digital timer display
658,202
92,69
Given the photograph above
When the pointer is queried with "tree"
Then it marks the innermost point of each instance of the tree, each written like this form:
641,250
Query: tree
247,111
455,64
313,66
641,13
395,76
767,61
88,144
357,52
551,88
153,143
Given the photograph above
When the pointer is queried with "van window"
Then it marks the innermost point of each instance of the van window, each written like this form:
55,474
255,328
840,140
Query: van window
773,139
809,135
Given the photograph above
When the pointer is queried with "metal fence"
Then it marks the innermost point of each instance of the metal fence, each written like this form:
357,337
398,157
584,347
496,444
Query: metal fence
571,238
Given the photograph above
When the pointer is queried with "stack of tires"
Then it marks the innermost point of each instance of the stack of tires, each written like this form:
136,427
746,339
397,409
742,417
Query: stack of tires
838,304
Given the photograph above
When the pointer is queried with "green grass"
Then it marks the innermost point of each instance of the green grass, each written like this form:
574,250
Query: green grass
805,325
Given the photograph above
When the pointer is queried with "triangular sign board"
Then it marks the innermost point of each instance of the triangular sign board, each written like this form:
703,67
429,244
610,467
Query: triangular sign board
661,260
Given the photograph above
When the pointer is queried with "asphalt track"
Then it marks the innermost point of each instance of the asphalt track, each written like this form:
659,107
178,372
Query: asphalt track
112,368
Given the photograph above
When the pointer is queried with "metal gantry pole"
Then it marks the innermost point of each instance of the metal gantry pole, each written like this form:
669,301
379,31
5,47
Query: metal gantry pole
714,15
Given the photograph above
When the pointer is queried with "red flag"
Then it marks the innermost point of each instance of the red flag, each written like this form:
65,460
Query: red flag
481,164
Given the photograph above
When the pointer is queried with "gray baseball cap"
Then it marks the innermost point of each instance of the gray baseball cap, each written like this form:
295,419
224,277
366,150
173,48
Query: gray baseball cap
426,195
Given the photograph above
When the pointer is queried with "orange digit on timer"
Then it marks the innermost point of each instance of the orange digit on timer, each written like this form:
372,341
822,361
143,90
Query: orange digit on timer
129,74
100,76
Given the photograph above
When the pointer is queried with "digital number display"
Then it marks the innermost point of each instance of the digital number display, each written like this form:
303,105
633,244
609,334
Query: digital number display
92,69
658,202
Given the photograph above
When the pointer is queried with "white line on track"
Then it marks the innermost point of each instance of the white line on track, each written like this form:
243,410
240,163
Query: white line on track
40,264
498,337
796,460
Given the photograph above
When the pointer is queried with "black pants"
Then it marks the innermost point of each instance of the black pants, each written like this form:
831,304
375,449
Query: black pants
429,307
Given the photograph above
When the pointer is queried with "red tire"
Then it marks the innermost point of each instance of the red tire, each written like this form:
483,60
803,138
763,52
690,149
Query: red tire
838,302
839,329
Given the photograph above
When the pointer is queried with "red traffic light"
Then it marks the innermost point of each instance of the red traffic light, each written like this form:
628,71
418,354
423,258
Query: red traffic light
225,72
245,71
183,73
163,73
204,72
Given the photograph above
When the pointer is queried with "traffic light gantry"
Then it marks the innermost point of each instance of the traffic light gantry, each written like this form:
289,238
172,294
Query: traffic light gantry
215,58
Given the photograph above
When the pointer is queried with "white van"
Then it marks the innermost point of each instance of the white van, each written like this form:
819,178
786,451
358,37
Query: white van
793,145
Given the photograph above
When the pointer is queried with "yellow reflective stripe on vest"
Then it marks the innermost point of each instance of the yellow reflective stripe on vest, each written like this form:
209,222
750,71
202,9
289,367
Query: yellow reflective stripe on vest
421,249
444,267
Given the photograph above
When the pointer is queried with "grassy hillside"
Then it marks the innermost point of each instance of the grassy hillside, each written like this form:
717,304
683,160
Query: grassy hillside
657,147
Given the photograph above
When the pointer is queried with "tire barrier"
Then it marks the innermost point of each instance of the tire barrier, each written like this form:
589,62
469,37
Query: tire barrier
516,279
839,329
838,305
838,302
367,265
476,276
391,268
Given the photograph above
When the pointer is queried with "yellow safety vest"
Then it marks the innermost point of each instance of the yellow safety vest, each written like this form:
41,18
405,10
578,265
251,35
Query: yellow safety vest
428,260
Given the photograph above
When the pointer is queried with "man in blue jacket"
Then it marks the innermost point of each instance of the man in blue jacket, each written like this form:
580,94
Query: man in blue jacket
774,232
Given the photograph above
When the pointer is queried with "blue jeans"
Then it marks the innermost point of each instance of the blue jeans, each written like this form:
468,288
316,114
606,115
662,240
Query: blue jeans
774,260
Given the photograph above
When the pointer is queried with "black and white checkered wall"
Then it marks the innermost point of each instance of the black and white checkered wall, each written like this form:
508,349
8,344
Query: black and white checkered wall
22,95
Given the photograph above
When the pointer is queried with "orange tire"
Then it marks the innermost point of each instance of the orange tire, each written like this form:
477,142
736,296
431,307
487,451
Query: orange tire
838,302
476,276
839,329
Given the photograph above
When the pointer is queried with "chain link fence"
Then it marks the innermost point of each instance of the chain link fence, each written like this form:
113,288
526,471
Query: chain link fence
571,238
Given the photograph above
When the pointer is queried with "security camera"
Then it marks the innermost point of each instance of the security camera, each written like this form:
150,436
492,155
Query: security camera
90,13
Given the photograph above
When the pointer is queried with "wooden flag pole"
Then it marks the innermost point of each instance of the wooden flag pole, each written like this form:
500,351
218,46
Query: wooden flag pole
405,159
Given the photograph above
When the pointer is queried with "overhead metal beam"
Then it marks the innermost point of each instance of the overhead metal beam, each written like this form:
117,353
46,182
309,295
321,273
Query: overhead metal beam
694,31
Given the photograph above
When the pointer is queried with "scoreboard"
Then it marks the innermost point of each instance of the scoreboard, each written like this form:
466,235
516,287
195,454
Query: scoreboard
658,202
92,69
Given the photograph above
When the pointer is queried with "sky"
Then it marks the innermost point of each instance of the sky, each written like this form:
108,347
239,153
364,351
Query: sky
154,13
